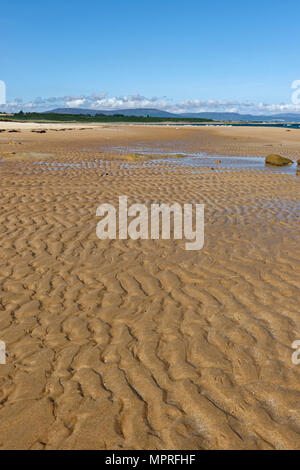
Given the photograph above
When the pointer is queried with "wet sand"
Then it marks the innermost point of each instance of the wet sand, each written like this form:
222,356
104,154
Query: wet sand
142,344
85,141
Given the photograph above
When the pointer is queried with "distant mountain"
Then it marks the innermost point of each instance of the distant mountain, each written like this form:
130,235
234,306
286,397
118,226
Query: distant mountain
224,116
244,117
125,112
158,113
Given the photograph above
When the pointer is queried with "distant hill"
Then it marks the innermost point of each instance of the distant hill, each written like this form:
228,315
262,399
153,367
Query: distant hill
244,117
226,116
158,113
125,112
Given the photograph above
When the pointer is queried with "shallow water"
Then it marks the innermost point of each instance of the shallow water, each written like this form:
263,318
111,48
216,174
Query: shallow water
239,124
196,162
203,161
146,159
221,163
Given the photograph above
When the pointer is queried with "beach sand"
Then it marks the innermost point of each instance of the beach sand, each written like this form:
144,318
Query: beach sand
89,140
124,344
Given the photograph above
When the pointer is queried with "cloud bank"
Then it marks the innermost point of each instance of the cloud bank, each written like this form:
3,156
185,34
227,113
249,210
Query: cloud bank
104,102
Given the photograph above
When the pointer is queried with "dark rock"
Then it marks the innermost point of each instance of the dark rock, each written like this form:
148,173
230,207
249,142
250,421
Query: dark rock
278,160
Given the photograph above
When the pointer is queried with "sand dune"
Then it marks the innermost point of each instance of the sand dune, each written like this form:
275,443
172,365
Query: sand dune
141,344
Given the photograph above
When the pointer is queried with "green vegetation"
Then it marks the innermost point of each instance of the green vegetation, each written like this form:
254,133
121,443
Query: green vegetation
85,118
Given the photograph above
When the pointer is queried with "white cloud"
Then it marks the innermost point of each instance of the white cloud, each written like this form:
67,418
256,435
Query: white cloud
75,103
104,102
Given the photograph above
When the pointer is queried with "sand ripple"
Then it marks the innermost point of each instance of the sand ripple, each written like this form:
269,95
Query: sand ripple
141,344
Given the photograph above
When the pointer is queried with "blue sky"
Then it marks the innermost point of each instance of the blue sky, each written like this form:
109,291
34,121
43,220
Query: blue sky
184,56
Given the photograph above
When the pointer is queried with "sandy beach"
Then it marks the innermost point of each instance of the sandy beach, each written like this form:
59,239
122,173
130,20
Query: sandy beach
89,140
134,344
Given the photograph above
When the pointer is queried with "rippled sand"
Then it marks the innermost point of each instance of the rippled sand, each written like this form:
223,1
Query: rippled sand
141,344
